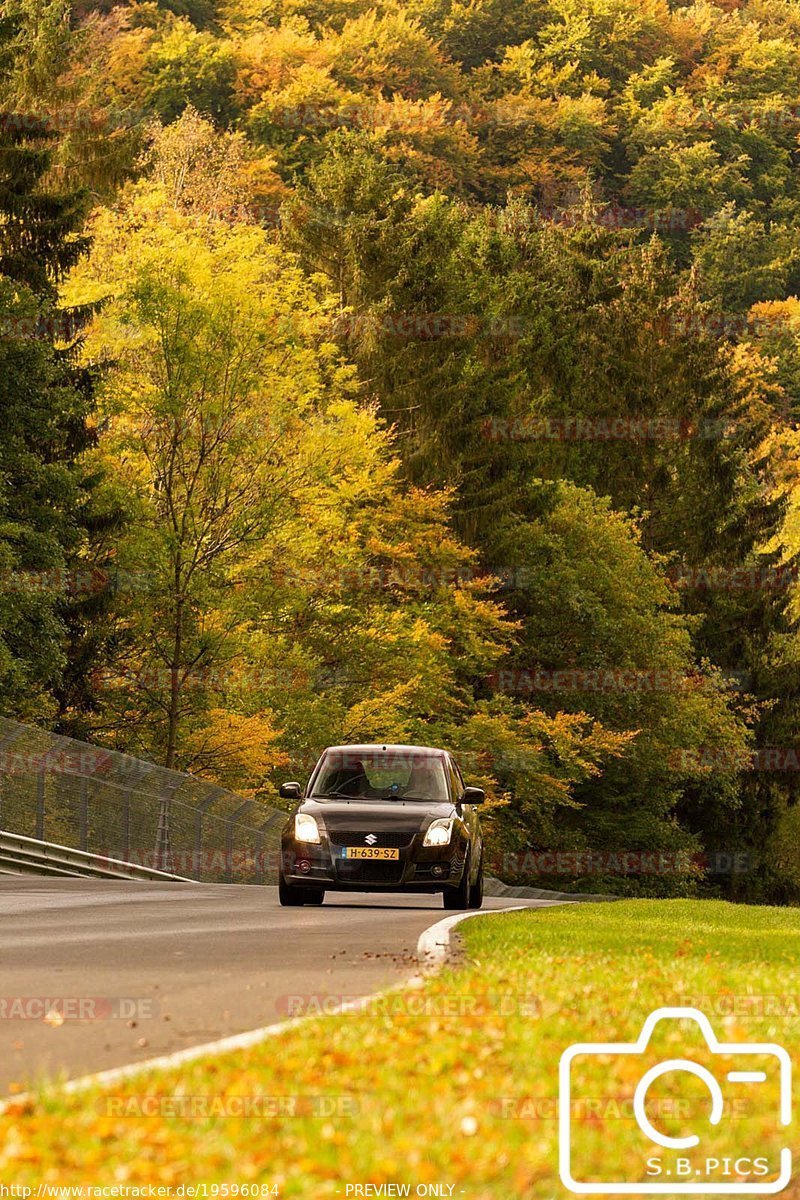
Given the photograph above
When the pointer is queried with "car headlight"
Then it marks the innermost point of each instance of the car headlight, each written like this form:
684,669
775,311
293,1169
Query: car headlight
306,828
439,832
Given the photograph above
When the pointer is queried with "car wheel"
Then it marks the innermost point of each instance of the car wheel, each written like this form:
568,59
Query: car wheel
476,891
290,896
314,896
458,897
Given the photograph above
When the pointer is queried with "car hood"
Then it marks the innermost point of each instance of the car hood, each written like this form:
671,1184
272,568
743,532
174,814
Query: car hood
377,815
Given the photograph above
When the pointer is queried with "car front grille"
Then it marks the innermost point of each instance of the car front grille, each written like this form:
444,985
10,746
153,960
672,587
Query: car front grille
397,839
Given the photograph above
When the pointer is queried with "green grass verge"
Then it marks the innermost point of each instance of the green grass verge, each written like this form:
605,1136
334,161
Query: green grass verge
455,1083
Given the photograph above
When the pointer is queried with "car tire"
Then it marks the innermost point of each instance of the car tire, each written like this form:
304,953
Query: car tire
290,895
314,896
476,890
458,897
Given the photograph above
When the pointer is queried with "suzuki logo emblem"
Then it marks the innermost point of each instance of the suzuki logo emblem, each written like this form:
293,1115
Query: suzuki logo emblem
370,839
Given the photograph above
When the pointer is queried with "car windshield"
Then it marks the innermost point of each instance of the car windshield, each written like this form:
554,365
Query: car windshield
381,775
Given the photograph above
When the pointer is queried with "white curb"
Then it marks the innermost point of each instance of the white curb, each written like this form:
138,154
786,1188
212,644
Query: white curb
433,946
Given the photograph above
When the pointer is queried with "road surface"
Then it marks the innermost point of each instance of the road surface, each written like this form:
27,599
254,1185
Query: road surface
141,969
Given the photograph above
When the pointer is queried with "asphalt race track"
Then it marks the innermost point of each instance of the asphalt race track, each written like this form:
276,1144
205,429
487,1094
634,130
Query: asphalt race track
142,969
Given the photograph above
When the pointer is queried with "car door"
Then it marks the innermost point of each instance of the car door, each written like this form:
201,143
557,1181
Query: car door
468,811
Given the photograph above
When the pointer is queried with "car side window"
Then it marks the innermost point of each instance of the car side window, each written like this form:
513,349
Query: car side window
456,782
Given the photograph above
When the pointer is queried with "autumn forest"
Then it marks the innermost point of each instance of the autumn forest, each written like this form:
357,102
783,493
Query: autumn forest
418,371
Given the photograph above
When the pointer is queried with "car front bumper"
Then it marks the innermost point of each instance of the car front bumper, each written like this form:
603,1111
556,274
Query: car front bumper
417,869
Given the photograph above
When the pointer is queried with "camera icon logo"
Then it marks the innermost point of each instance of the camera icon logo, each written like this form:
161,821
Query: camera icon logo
626,1127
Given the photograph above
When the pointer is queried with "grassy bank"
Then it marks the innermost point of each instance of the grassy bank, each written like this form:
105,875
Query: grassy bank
455,1083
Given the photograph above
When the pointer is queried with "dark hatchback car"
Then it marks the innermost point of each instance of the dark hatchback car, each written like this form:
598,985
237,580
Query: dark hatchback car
383,819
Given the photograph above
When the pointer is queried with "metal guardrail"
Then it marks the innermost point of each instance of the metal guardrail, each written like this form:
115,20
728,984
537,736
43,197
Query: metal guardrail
27,856
496,887
98,802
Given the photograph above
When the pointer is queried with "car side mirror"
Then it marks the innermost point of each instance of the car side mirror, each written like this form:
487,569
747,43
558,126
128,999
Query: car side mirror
290,791
473,795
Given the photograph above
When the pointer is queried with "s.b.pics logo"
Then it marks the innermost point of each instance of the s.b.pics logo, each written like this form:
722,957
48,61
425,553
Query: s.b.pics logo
675,1112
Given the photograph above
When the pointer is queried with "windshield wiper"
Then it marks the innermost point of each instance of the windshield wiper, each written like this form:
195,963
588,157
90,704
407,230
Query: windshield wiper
334,796
414,799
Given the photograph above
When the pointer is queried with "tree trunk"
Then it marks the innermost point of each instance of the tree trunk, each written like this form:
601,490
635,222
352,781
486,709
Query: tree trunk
174,675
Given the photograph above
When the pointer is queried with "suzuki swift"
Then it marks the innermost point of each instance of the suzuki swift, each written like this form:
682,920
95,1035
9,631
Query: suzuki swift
383,819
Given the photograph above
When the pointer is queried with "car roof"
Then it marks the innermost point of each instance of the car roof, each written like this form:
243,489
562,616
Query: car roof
388,746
